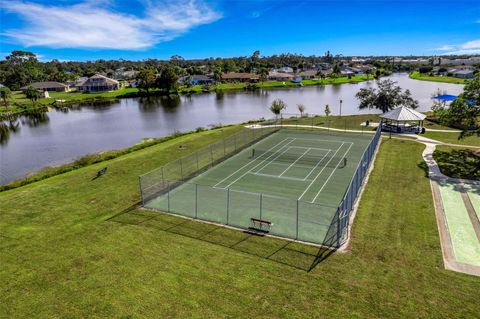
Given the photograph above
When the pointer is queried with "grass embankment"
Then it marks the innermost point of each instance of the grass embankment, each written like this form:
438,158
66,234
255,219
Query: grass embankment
453,138
87,160
61,258
446,79
350,122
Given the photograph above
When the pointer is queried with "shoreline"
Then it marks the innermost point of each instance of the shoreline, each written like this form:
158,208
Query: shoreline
64,100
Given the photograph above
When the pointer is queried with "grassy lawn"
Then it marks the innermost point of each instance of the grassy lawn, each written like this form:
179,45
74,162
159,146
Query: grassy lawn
447,79
60,257
452,138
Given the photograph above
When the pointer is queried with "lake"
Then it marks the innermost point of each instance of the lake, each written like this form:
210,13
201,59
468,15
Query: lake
59,137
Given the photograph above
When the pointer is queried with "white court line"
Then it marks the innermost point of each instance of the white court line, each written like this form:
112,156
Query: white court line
284,177
317,164
333,171
255,166
249,163
308,149
269,162
310,185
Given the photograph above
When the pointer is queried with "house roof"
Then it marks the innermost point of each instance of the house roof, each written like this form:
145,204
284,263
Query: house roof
403,113
91,80
200,77
45,85
235,75
464,72
280,75
309,73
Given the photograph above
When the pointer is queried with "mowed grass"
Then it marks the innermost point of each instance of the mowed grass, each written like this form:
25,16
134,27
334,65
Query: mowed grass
453,138
60,257
446,79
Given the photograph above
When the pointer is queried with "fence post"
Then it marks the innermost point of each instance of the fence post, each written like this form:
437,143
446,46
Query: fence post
196,200
261,200
211,154
181,167
168,197
228,201
196,155
141,192
296,232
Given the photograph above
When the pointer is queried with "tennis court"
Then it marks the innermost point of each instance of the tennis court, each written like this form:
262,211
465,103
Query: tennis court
294,179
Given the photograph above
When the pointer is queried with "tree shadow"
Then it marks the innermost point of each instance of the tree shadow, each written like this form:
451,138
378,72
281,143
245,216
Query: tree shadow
293,254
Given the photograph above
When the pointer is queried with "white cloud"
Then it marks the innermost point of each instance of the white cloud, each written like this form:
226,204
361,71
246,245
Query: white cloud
91,24
471,45
467,48
446,47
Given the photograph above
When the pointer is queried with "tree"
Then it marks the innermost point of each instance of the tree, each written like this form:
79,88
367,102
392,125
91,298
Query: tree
336,69
277,107
5,94
386,97
301,109
168,78
21,68
465,110
327,110
263,74
146,79
217,74
32,94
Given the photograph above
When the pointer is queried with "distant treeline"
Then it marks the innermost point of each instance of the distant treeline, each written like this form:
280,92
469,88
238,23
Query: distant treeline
21,68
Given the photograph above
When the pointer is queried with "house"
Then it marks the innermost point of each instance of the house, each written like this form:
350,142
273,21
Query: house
285,69
464,74
239,77
279,76
98,83
48,86
197,79
309,74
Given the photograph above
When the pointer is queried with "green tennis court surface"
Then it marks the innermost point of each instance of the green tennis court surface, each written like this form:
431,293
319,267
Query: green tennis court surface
292,178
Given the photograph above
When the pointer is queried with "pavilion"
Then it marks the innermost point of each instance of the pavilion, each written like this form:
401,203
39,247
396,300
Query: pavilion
402,120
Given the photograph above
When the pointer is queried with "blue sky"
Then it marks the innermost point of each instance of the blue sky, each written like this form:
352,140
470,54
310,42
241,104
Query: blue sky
140,29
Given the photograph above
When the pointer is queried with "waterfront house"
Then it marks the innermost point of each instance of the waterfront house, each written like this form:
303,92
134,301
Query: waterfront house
49,86
464,74
196,79
98,83
279,76
309,74
285,69
239,77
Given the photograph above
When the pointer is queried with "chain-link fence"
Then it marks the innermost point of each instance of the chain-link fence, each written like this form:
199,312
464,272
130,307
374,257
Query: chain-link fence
154,183
168,189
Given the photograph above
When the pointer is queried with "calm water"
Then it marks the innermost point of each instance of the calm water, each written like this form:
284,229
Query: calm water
57,137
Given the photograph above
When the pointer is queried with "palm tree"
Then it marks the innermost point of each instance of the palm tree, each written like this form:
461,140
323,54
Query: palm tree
301,108
32,93
277,107
263,74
